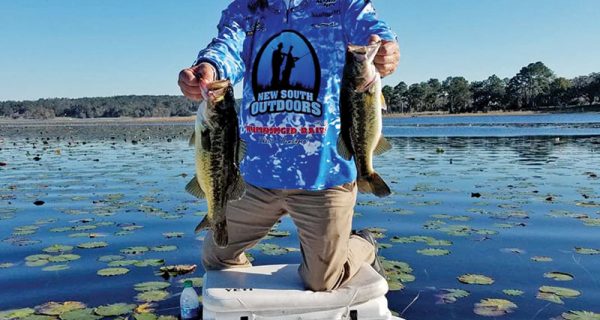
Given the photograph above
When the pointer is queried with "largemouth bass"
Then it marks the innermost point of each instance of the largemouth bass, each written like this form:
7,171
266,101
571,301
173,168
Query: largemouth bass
218,151
361,103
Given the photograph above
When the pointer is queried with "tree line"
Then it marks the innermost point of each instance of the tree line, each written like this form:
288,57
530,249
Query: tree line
109,107
534,88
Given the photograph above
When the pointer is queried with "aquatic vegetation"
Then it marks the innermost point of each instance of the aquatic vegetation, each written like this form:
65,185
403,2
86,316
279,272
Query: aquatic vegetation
513,292
494,307
558,276
129,197
92,245
80,314
541,259
475,279
152,296
112,310
447,296
109,272
554,294
433,252
58,308
587,251
580,315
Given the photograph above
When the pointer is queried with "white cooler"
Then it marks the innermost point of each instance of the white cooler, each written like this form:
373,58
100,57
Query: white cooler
277,292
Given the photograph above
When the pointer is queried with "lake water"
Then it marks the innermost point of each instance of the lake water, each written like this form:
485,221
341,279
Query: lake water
509,198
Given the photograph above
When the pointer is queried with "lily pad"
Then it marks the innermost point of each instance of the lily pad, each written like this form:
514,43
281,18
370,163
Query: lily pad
149,262
151,285
152,296
58,308
580,315
81,314
92,245
448,296
433,252
170,235
145,316
475,279
5,265
56,248
512,292
541,259
558,276
57,267
554,294
164,248
64,257
135,250
16,313
109,258
108,272
494,307
587,251
113,310
122,263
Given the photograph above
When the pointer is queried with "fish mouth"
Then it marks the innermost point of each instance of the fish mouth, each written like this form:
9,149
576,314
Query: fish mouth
216,90
362,53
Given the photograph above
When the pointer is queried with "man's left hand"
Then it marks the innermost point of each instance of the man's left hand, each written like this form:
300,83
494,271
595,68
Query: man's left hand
388,56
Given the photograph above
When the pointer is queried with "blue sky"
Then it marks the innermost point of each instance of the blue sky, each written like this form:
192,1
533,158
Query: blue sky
77,48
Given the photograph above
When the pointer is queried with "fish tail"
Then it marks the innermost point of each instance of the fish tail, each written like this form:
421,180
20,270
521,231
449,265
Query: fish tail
373,183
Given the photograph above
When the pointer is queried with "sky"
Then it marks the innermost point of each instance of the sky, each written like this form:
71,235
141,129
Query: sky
93,48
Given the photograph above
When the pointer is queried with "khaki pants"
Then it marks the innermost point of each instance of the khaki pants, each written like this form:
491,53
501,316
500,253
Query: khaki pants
330,256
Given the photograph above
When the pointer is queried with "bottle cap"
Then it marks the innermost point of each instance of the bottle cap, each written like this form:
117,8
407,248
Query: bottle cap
188,284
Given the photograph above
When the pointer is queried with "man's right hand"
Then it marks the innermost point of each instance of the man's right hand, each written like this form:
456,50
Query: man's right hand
191,80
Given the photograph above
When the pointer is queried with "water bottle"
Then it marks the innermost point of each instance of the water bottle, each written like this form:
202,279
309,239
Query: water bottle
188,302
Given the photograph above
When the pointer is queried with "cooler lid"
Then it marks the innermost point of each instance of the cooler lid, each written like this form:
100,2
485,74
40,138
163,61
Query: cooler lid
274,287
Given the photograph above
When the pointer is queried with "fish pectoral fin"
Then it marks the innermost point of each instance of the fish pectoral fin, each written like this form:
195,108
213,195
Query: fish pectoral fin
382,146
192,141
383,103
204,224
342,148
193,188
237,190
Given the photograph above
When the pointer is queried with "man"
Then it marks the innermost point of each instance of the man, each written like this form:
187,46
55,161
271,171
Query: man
292,165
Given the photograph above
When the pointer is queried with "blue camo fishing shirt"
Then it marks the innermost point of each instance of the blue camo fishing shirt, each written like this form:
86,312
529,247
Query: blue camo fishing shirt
291,59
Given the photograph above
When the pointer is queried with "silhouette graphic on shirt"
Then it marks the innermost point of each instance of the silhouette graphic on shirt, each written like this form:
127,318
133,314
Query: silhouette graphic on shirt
277,62
290,63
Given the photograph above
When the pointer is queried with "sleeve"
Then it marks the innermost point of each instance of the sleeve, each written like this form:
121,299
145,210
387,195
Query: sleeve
361,21
224,52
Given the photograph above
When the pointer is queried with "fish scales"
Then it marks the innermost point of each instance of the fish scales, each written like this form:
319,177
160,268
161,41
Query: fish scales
218,152
360,109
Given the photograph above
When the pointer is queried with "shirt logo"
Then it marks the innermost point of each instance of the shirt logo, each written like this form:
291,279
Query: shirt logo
286,77
326,3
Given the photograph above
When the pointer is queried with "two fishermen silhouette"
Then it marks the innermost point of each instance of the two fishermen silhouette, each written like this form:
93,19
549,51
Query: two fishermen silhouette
277,61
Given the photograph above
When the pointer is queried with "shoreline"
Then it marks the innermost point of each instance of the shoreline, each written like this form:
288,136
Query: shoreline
62,121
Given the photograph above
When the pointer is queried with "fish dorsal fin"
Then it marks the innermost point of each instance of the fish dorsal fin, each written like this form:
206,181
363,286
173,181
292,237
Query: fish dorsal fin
382,146
192,141
237,190
383,103
342,148
193,188
204,224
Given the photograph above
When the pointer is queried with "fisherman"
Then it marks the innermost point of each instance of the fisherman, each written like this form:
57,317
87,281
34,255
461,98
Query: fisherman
293,171
276,62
